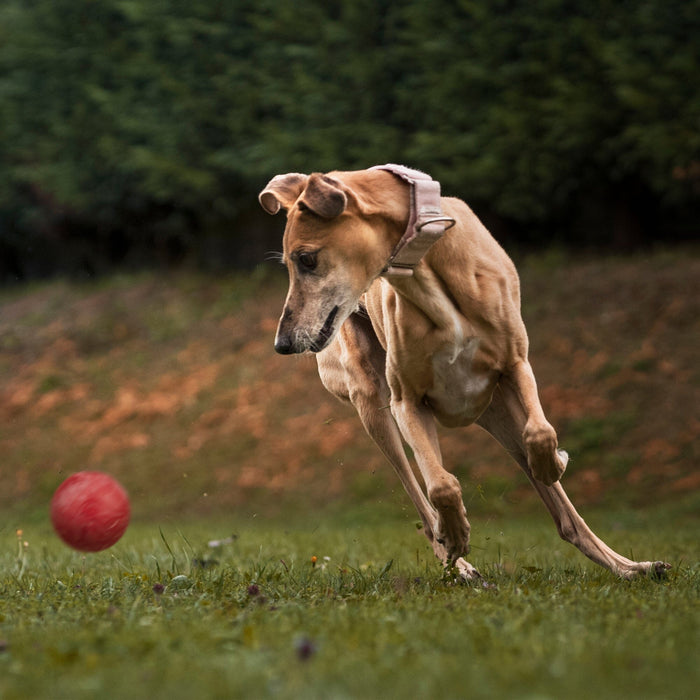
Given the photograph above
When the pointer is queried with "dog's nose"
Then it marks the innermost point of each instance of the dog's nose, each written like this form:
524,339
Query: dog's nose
283,345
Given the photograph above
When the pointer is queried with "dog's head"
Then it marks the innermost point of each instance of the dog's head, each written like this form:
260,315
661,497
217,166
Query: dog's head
333,250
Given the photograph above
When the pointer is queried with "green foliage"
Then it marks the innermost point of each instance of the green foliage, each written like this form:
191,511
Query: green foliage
153,124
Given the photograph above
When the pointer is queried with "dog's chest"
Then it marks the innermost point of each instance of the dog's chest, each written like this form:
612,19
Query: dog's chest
461,386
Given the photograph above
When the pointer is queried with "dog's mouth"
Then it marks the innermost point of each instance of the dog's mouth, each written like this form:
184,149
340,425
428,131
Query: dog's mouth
325,333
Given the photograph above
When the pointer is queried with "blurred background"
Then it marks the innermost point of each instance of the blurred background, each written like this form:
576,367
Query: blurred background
137,311
140,131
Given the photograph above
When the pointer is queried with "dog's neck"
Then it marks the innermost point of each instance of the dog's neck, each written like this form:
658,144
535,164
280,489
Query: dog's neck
426,222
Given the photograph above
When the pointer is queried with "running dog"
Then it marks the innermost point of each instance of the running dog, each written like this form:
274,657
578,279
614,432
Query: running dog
413,311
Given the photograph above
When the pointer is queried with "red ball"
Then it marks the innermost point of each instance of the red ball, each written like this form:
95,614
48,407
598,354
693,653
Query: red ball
90,511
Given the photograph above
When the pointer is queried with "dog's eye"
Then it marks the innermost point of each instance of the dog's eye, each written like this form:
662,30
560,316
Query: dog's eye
307,210
308,261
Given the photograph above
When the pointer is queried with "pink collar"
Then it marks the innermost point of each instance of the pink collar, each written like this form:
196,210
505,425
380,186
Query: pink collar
426,222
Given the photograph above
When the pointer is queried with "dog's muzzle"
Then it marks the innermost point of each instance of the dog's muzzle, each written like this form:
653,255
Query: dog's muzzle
294,341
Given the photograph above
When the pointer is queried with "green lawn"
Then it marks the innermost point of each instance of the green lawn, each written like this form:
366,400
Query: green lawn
164,615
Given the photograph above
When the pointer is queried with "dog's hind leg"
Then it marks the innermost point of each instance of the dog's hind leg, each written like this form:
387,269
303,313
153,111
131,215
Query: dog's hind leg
352,369
504,419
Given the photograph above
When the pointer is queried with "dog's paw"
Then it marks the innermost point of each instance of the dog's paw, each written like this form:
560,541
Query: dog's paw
545,460
653,569
658,569
461,571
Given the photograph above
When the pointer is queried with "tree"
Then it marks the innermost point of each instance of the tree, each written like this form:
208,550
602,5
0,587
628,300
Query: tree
135,129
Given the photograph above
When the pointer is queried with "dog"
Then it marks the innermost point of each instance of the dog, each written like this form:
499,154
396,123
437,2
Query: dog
413,311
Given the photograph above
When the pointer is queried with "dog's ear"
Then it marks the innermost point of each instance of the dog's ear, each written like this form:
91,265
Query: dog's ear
324,196
282,191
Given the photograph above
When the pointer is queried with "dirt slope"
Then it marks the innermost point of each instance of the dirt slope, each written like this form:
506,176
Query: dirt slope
171,384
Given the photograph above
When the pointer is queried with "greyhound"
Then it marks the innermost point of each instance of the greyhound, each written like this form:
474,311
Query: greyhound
413,311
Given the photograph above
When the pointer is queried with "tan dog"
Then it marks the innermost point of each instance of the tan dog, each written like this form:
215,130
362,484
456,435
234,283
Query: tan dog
430,329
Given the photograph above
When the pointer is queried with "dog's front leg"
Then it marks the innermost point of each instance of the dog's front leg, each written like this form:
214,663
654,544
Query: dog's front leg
381,427
546,462
417,426
352,369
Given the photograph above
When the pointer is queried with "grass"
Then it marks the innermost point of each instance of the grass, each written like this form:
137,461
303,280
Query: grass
165,615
